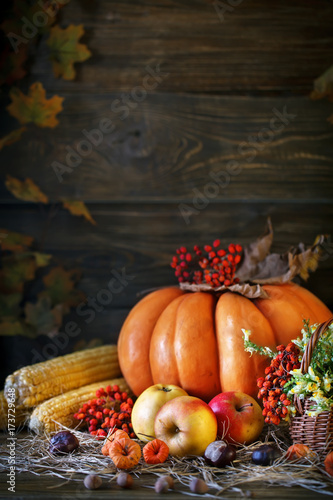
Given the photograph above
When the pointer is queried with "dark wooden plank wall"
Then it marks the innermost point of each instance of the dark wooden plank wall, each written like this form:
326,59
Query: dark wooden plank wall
227,89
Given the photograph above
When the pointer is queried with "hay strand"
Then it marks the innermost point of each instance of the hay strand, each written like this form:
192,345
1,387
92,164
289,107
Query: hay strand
32,455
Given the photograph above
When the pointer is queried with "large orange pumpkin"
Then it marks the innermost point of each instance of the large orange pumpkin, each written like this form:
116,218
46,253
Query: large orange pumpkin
195,339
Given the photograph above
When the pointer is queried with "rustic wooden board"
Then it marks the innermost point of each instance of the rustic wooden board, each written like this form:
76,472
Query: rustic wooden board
173,147
224,80
28,486
254,47
141,238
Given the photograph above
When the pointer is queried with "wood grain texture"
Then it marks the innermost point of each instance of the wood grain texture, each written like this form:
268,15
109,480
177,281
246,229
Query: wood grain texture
141,238
172,147
253,48
151,181
28,486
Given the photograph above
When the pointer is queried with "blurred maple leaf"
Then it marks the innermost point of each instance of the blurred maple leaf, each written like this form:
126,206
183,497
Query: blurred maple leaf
11,65
34,107
9,304
44,319
65,50
13,326
78,208
12,137
25,190
31,11
323,87
42,259
14,241
59,285
15,272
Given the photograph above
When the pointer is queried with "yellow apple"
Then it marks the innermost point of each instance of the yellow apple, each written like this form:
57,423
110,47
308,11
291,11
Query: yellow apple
239,417
187,425
148,404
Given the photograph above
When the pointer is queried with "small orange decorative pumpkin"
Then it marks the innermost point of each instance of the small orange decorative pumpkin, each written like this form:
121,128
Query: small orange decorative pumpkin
328,463
298,451
125,453
155,452
112,437
195,340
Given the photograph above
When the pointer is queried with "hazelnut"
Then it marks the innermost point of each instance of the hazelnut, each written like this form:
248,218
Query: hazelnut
198,486
162,485
125,480
92,482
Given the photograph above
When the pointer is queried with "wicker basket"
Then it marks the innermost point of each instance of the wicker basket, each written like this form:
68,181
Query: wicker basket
315,432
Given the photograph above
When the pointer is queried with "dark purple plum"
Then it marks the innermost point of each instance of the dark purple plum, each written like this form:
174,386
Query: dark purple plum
63,442
265,455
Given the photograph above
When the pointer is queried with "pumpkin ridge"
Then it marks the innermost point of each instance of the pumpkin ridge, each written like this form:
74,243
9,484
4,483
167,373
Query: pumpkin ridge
163,364
195,346
135,337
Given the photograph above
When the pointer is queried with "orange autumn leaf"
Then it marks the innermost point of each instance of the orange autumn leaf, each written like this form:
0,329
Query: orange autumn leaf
78,208
13,136
12,65
65,50
15,242
25,190
35,16
59,285
34,107
15,273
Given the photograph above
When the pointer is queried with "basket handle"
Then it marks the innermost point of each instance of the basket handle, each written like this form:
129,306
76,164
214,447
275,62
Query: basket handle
312,344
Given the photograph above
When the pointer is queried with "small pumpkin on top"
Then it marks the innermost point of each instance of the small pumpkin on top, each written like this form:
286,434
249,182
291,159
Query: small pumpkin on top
328,463
112,437
125,453
155,452
298,451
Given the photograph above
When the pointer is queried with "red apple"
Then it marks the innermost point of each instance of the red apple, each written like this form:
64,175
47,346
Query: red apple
148,404
187,425
239,417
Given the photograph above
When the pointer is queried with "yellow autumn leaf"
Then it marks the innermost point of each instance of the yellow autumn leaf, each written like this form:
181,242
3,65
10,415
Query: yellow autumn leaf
12,137
323,85
34,107
78,208
65,50
25,190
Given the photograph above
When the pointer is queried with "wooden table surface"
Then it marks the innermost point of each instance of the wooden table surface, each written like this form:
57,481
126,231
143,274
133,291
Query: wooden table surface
30,485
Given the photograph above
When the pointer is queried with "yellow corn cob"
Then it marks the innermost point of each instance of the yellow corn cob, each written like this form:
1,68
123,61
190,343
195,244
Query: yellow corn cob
61,409
36,383
16,418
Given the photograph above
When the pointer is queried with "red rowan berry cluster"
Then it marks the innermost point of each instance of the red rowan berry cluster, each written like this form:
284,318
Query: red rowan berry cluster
110,410
212,265
271,387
